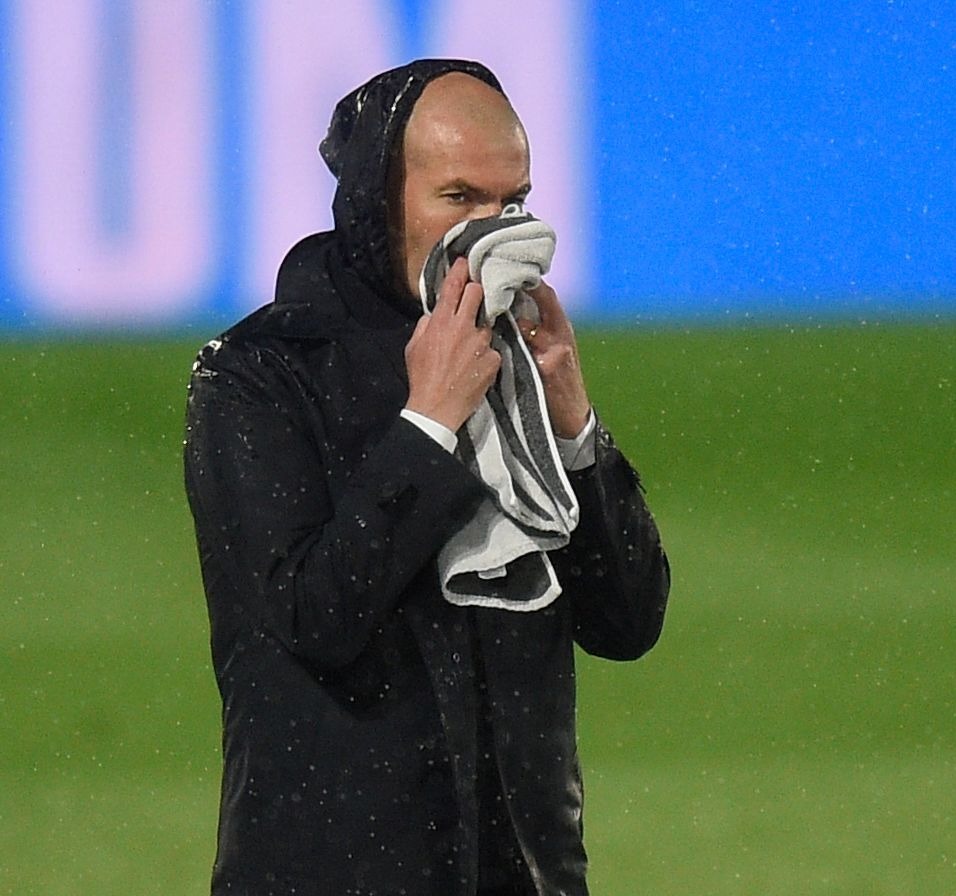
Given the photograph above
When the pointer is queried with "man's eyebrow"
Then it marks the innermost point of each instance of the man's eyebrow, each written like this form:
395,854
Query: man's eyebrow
458,184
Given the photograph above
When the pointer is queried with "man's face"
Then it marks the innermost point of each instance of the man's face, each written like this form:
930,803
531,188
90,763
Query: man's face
465,156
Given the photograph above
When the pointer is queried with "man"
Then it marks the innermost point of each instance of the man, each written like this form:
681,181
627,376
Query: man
379,739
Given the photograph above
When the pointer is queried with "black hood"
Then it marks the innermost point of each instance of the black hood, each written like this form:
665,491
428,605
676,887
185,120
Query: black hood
366,126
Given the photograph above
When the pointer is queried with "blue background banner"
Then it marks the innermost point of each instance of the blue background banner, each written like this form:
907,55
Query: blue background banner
699,160
771,155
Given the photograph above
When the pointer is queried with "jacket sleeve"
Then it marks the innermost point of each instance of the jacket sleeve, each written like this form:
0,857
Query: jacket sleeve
614,570
277,550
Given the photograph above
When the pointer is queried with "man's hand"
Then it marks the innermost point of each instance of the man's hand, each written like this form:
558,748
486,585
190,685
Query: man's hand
449,358
555,352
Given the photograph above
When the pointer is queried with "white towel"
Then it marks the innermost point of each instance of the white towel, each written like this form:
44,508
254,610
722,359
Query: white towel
498,559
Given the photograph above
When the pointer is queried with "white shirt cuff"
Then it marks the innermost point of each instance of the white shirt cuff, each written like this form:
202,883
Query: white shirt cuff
440,433
579,452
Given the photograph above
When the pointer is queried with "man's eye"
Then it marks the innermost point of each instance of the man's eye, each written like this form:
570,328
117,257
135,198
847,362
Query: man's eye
457,198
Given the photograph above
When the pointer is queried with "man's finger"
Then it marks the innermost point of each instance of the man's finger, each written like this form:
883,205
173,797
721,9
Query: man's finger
552,314
528,329
452,287
471,299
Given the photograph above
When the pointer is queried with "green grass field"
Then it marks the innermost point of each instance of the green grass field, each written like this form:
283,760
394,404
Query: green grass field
794,732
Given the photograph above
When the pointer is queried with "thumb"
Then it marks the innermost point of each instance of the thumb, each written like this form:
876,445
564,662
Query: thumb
420,327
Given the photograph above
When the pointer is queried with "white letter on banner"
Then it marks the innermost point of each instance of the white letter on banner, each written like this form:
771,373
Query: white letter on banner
163,255
537,53
306,56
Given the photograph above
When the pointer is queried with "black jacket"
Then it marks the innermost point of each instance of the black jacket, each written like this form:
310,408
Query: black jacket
348,682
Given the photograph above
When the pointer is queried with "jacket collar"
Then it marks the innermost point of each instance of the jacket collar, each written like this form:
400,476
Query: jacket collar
318,296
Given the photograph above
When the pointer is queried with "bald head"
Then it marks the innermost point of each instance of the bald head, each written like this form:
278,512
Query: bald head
454,108
464,156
